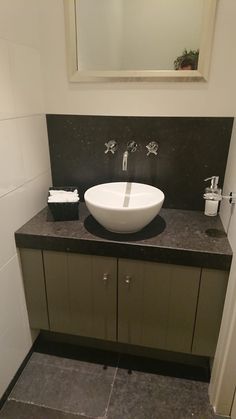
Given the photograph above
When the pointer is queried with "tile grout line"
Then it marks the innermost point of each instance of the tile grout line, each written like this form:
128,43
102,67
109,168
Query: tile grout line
21,116
65,368
27,402
9,261
21,185
112,386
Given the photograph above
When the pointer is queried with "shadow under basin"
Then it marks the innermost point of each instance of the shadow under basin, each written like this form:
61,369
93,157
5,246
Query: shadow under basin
154,228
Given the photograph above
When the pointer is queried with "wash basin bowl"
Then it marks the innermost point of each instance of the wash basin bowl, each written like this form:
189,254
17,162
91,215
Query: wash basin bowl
124,207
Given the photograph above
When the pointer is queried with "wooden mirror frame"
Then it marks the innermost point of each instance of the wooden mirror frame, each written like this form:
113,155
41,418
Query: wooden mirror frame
201,74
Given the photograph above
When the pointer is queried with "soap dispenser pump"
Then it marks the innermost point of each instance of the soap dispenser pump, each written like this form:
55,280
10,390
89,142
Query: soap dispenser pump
212,196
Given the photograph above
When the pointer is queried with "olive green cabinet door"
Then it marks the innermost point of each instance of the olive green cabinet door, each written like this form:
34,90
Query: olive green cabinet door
93,301
34,284
157,304
81,292
210,307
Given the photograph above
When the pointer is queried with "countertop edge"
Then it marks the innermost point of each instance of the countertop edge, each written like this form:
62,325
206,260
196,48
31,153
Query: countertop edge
127,251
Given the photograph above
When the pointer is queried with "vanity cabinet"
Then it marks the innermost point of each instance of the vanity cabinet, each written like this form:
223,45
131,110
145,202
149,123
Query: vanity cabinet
150,304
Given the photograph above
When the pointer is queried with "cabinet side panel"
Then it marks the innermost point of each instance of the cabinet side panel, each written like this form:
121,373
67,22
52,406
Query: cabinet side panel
182,307
55,264
130,301
104,301
33,274
209,313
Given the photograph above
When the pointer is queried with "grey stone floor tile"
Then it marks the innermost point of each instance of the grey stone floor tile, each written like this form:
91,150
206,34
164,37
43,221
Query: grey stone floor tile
72,364
64,389
19,410
149,396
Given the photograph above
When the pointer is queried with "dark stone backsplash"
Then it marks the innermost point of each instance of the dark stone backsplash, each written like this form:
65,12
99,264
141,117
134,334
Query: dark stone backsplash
190,149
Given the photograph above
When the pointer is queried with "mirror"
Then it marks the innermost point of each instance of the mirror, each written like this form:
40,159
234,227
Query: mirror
143,40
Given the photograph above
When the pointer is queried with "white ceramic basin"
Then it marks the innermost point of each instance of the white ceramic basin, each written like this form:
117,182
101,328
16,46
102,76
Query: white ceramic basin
124,207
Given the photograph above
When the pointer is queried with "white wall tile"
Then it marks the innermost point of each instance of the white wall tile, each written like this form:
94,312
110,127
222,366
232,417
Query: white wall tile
32,135
36,193
12,307
26,79
13,349
11,159
19,21
15,335
24,152
6,100
11,217
24,168
16,208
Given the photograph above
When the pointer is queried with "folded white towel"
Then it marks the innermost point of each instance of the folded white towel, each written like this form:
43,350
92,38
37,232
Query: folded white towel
60,191
63,198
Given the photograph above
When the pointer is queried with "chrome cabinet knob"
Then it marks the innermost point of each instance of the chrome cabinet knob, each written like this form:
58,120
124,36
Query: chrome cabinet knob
152,148
128,279
105,278
111,146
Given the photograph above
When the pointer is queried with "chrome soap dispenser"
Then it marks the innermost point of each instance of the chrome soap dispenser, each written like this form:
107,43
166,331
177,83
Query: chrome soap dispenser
212,196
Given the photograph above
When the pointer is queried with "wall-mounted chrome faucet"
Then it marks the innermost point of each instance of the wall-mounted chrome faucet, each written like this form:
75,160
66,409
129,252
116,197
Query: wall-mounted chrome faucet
152,148
111,146
131,148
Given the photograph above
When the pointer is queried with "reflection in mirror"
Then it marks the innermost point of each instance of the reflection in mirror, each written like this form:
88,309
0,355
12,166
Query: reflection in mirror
139,39
136,34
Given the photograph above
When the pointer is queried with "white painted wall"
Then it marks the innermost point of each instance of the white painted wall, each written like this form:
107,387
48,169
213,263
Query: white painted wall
24,168
156,33
214,98
223,382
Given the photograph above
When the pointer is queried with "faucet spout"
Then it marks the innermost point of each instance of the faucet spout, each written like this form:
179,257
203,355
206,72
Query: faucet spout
131,147
125,161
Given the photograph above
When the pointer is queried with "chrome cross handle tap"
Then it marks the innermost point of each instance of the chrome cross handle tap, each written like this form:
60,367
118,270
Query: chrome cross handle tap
111,146
152,148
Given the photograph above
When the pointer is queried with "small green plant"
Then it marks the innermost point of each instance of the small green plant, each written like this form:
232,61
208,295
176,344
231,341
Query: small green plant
190,56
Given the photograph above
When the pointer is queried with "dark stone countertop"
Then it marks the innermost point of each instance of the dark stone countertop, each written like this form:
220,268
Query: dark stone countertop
174,236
